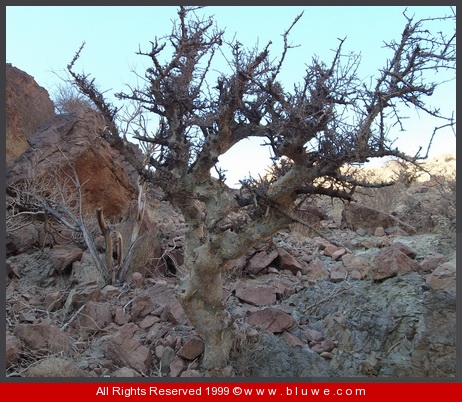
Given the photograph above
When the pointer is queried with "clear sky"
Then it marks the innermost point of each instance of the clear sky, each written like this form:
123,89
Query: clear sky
41,40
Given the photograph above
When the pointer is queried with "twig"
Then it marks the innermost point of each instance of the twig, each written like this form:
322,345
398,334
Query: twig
73,317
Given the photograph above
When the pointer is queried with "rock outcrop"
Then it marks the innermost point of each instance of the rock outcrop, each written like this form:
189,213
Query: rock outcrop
28,106
68,142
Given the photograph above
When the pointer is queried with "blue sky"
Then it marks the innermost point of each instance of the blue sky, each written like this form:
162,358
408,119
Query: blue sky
113,35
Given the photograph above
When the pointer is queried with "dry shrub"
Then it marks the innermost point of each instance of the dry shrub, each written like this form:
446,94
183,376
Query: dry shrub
243,354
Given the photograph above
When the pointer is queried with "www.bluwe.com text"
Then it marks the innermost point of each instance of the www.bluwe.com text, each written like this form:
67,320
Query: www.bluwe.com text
225,391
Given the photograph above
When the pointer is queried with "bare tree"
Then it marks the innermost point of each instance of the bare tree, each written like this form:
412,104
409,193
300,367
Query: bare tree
330,119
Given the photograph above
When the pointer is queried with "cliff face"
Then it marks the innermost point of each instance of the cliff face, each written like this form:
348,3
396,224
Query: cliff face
28,106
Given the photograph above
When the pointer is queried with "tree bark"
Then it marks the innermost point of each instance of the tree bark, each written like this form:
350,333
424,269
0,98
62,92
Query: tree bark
200,293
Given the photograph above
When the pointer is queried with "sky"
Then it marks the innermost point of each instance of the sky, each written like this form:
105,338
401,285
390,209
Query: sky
113,35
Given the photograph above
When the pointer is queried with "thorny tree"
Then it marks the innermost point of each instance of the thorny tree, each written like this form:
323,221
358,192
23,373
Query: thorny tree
330,119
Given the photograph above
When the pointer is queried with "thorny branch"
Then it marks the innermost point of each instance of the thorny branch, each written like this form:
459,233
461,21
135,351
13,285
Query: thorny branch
329,120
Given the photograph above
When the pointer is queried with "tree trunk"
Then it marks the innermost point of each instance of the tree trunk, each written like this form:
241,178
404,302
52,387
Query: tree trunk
201,296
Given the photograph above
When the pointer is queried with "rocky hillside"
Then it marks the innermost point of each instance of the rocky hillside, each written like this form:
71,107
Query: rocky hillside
368,291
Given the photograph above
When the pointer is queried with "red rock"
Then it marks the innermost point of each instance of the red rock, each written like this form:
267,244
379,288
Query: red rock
285,261
272,320
292,340
431,262
142,305
282,288
79,296
338,273
260,261
257,295
316,270
44,337
21,240
62,257
404,249
94,317
13,350
323,346
54,300
176,367
121,317
338,253
192,349
356,216
443,277
107,177
311,213
356,266
28,106
330,249
311,335
175,313
322,243
391,262
149,321
125,350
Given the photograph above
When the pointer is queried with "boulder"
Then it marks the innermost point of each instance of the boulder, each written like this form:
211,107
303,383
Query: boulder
358,216
392,261
432,261
174,313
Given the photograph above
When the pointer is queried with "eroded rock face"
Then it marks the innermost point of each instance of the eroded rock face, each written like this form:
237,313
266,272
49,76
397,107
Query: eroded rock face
28,106
397,327
43,149
74,140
